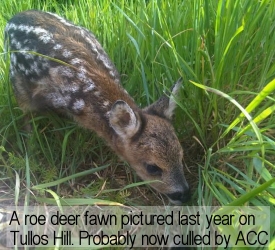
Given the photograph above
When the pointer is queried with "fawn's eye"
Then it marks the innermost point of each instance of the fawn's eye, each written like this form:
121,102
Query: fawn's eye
153,169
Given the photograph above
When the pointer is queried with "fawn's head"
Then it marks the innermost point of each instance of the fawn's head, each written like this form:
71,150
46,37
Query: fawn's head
147,141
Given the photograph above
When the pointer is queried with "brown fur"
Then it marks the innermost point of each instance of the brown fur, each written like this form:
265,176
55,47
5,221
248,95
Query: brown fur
78,79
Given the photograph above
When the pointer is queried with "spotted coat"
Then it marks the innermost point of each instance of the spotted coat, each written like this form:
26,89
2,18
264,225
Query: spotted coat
58,66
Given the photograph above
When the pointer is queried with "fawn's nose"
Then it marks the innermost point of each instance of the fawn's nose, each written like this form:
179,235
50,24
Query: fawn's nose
181,190
180,197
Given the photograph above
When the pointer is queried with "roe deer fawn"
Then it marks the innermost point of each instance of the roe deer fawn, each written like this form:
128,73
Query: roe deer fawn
56,65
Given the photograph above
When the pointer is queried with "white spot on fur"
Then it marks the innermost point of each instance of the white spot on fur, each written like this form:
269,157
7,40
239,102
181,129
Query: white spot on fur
81,76
74,88
57,46
21,66
70,88
66,53
24,28
61,70
89,87
112,73
45,65
82,70
29,56
10,26
78,105
18,45
13,58
106,103
54,72
65,71
76,61
105,61
46,37
35,68
27,72
58,100
62,20
97,93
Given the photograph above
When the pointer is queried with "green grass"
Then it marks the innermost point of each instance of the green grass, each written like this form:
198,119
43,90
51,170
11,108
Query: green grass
224,50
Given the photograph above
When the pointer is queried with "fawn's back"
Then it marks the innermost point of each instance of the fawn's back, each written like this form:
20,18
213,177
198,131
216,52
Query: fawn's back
57,66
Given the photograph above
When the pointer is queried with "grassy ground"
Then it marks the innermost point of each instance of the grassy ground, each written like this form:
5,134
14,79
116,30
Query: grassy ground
224,50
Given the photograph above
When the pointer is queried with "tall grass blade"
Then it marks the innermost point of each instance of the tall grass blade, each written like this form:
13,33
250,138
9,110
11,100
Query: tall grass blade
58,182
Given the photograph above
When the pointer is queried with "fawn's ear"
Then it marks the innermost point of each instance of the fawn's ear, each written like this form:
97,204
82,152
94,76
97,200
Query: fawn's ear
165,105
124,120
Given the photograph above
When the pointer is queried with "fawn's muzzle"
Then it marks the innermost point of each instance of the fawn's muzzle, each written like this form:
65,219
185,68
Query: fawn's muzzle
180,197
